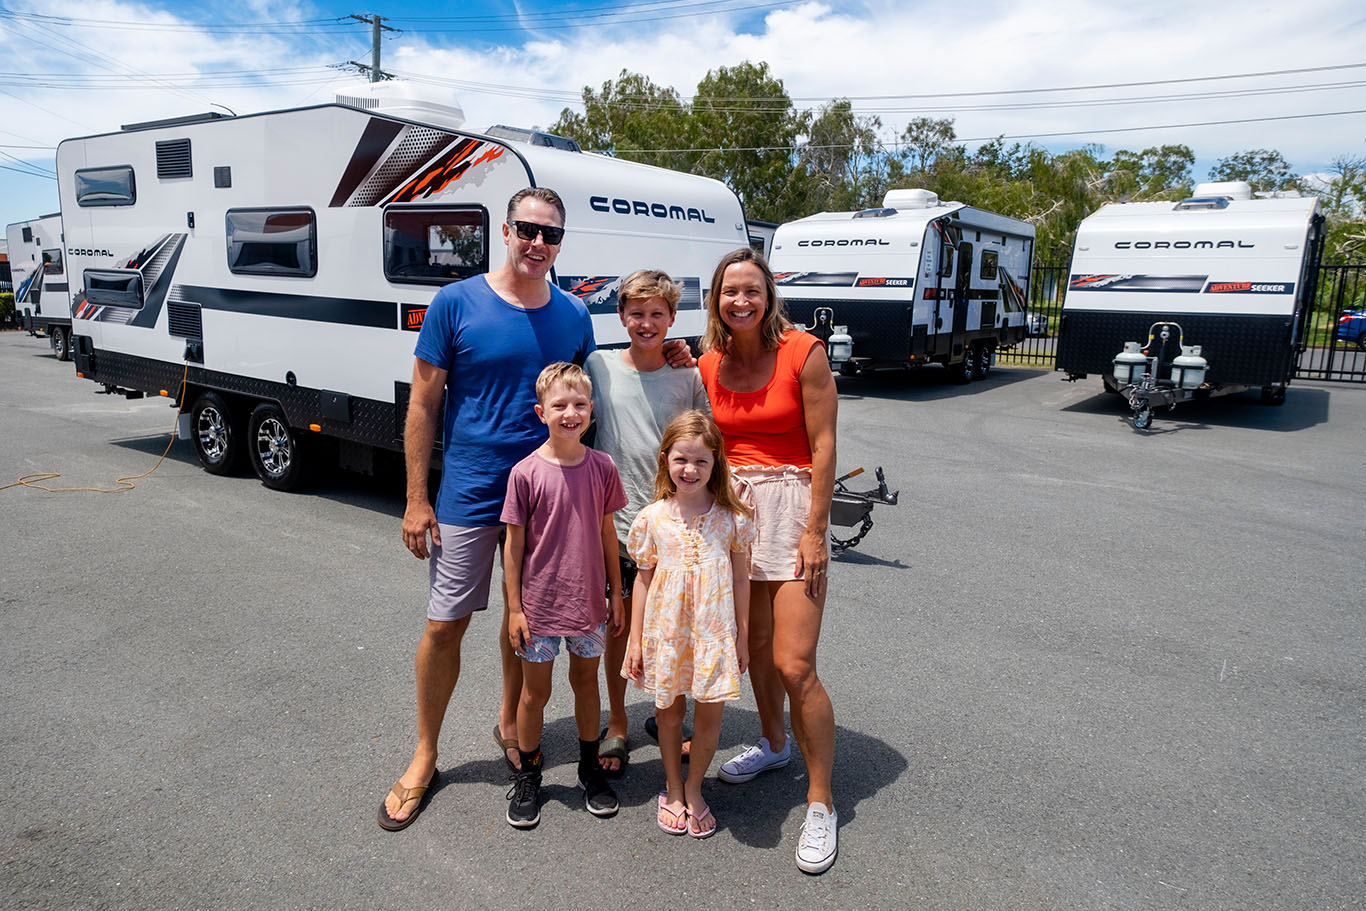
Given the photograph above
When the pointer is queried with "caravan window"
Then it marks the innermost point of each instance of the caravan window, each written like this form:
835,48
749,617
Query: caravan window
273,242
106,187
114,289
987,272
435,246
52,261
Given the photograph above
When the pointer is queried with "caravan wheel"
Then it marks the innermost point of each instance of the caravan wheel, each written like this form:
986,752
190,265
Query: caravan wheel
1143,415
274,449
984,358
61,345
966,369
217,434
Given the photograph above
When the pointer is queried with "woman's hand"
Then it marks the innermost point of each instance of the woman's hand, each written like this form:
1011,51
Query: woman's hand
813,560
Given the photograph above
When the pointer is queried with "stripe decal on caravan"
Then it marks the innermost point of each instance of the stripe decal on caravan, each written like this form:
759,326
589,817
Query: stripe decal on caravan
835,279
599,292
1179,284
406,162
346,311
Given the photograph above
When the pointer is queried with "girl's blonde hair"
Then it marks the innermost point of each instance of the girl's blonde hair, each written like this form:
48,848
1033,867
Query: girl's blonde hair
775,322
698,424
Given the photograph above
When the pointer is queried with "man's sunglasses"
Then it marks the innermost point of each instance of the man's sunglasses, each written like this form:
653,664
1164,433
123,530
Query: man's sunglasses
527,230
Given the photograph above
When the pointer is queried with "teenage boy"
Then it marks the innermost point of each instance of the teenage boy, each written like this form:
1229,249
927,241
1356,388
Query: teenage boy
560,556
635,396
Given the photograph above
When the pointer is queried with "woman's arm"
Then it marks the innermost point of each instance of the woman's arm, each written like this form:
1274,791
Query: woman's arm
820,400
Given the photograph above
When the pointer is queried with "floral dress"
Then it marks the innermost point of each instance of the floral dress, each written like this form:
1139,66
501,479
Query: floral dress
688,645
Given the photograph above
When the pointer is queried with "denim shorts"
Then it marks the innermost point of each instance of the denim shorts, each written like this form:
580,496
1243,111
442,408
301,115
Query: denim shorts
544,648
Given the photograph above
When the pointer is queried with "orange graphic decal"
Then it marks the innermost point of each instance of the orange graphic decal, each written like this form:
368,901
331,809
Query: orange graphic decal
1216,287
448,168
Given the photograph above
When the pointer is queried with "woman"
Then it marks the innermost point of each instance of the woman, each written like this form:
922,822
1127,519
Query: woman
774,398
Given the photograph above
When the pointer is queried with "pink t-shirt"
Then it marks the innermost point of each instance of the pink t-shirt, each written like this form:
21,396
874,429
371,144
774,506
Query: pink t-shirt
564,576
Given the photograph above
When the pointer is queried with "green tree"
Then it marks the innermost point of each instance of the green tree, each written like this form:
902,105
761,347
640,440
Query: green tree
1157,173
631,114
843,161
746,121
1342,195
1265,169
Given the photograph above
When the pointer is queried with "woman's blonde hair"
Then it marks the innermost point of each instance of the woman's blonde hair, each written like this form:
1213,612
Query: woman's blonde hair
698,424
775,323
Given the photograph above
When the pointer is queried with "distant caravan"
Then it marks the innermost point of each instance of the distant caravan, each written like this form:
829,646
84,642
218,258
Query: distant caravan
42,299
282,262
917,281
1235,274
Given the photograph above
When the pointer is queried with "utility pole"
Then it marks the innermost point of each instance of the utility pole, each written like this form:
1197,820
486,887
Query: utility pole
376,24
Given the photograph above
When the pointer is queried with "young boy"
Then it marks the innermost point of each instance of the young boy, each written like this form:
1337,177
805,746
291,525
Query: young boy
561,554
635,396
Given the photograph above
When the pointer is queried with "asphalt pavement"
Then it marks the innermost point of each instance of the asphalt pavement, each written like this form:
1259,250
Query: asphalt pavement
1078,666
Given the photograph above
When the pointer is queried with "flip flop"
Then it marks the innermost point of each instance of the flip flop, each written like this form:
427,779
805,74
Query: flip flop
652,728
680,817
614,748
698,817
421,792
505,743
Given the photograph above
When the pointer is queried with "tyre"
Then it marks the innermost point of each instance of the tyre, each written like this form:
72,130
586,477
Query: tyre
1361,341
985,355
217,433
273,449
1143,416
1273,395
964,370
61,343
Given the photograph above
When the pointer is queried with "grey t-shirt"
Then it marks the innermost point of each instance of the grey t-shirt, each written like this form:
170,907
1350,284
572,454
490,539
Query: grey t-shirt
631,410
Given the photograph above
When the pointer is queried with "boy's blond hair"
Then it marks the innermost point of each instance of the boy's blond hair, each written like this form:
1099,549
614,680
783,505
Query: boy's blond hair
562,372
644,284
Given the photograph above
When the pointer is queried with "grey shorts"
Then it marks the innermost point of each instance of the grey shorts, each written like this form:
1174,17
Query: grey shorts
460,569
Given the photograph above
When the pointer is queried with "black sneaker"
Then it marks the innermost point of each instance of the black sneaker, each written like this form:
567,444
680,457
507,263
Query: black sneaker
598,795
524,807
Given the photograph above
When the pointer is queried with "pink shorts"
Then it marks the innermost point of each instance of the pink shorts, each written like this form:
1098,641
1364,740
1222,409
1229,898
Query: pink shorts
781,498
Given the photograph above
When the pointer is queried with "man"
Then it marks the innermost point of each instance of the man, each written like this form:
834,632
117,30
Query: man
483,342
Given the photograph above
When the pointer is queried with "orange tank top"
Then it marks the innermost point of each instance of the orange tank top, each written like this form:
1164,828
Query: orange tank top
766,427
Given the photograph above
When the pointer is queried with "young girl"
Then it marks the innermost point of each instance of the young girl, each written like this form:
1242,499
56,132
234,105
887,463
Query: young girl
692,638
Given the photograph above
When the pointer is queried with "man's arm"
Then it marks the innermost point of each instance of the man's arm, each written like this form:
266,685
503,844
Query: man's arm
419,436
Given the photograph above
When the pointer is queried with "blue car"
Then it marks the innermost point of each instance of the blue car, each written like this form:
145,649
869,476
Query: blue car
1352,328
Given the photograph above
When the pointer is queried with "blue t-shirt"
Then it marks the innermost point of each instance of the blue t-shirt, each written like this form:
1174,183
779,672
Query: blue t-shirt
493,352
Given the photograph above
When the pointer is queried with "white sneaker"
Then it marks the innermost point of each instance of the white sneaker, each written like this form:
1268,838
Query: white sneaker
818,845
754,760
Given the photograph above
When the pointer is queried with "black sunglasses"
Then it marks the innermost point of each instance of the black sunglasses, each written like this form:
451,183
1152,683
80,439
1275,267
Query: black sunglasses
527,230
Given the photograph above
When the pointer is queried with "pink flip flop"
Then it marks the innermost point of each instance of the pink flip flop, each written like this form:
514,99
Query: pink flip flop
680,817
705,832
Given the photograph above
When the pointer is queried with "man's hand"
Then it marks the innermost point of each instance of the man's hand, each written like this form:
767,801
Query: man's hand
419,520
677,354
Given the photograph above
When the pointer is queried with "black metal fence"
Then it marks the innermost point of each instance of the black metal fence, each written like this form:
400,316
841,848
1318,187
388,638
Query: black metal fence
1335,339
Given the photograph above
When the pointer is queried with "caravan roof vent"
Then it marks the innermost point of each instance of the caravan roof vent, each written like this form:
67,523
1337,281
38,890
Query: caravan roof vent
1229,189
910,199
1201,202
875,213
532,137
401,99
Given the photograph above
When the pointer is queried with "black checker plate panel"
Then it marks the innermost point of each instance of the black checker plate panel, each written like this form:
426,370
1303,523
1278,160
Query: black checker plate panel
1242,350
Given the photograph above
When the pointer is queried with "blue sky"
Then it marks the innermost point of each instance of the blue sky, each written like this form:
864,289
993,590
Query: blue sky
1109,67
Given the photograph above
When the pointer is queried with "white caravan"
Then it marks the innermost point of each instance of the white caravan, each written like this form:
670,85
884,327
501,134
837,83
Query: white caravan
42,300
1234,272
917,281
286,259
